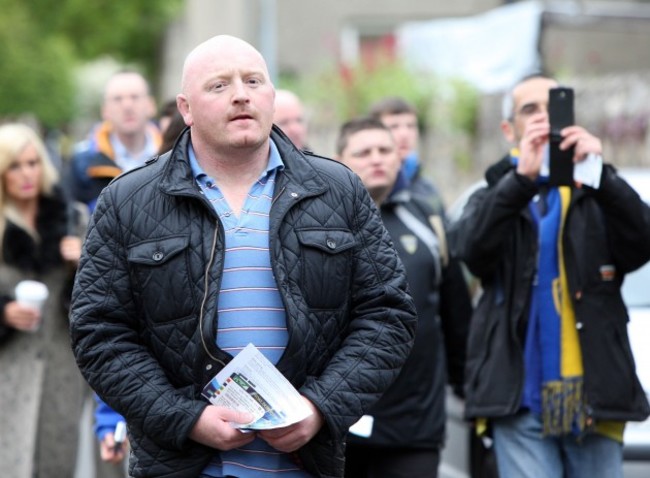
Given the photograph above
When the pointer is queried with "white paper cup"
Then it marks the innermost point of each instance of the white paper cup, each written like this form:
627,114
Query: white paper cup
31,293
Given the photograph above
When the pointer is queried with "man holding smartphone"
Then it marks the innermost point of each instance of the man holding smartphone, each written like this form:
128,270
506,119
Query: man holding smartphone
549,366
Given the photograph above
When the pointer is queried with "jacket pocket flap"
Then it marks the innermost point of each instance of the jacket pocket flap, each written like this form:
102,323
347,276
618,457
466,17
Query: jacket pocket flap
331,241
157,251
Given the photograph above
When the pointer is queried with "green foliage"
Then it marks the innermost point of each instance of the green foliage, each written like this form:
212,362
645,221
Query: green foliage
463,159
447,107
345,92
128,30
338,94
465,112
43,41
35,75
455,108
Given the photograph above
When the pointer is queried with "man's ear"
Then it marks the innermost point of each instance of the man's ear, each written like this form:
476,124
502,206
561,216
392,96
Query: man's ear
184,109
508,130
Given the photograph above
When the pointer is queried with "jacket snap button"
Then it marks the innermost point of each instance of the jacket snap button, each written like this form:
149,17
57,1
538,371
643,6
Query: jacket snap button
157,256
579,325
208,366
331,244
294,195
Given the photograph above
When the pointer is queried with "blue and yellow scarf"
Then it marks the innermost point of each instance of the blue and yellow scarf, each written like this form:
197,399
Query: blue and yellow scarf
554,385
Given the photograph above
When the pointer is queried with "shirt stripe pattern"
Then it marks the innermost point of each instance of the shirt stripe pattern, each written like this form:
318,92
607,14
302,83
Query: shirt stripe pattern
250,308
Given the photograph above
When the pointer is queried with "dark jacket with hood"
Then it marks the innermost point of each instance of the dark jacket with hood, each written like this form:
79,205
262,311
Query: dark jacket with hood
606,234
144,304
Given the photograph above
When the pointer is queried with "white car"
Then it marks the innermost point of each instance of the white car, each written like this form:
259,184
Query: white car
636,293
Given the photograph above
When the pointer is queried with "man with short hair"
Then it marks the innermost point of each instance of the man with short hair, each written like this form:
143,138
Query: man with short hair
401,118
236,237
416,400
124,140
289,116
549,365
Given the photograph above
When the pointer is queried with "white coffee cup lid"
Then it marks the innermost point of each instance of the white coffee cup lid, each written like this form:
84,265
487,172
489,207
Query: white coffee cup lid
32,289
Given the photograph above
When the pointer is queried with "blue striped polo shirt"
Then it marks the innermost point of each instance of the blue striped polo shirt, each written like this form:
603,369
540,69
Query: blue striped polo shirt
250,308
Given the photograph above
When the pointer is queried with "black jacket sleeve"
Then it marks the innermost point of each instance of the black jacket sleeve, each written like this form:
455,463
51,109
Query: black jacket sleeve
479,236
455,310
455,314
627,218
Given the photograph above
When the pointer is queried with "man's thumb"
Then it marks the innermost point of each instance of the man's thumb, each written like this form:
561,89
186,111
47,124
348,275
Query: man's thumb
236,416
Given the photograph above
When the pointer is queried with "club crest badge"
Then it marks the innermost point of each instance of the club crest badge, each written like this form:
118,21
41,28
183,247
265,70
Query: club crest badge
409,243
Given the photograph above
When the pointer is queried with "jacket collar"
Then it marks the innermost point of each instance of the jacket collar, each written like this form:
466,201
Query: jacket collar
495,172
298,176
21,250
100,139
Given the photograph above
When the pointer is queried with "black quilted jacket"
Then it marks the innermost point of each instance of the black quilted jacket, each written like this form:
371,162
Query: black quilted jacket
143,319
605,236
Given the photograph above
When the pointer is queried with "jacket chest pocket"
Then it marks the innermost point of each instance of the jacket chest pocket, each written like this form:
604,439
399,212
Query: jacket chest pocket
326,262
162,282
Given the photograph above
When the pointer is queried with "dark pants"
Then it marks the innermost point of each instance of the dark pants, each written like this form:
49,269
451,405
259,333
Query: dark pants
370,462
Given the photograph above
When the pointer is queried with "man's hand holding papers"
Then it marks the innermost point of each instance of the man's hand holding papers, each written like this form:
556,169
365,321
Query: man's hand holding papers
250,383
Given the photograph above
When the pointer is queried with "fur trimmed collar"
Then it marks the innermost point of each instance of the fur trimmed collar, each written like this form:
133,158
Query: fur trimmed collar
19,248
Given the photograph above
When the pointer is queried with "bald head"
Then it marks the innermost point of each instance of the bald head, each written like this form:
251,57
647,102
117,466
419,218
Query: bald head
290,117
286,97
227,97
220,46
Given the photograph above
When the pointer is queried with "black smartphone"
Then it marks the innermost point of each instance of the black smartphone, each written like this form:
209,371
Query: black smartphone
560,114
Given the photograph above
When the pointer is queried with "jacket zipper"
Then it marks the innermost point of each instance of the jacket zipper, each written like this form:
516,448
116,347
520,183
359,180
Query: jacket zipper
205,296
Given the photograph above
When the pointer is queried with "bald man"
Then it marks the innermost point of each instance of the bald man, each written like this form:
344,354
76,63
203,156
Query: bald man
289,116
236,237
125,139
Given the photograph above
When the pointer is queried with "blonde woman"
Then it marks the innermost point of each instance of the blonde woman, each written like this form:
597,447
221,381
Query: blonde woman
41,389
